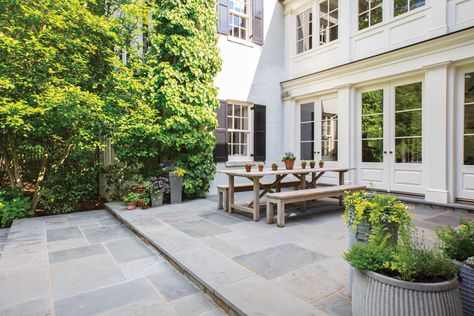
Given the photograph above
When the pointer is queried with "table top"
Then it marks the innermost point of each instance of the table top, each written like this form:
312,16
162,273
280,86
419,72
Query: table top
268,172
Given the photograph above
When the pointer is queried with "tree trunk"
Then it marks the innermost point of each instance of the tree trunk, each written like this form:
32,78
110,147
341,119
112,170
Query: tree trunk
39,179
15,160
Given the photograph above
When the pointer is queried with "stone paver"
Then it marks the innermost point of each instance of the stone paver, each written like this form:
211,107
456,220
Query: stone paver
257,268
89,264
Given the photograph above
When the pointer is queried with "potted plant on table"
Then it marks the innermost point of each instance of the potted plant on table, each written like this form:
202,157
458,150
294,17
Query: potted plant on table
303,164
131,200
312,163
261,166
274,167
248,167
159,186
458,244
289,160
321,164
176,185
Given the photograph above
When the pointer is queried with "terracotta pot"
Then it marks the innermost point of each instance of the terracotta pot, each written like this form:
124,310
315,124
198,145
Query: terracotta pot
274,168
260,168
139,204
303,165
248,168
321,165
145,206
311,165
289,164
138,189
130,206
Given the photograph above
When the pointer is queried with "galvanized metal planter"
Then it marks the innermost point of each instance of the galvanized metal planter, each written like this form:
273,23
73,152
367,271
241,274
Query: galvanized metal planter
374,294
466,288
176,188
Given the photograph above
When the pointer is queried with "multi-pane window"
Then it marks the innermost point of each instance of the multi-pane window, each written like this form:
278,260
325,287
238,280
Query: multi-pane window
370,13
238,130
329,125
307,131
403,6
328,21
239,18
408,123
372,126
469,118
304,31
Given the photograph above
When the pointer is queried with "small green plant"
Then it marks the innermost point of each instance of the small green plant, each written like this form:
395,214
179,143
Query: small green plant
274,165
13,205
131,197
180,172
457,243
288,156
321,162
248,165
303,162
145,200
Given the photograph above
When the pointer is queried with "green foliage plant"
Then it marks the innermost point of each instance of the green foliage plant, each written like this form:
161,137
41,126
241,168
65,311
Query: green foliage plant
288,156
457,243
184,61
13,205
131,197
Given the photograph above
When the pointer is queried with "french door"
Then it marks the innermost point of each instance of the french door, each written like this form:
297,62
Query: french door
465,134
391,137
319,132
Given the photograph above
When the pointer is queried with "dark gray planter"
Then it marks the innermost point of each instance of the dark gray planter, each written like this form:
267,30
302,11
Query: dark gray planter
466,287
176,188
374,294
157,197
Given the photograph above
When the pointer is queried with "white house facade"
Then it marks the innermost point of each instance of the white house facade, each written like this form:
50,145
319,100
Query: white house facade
385,87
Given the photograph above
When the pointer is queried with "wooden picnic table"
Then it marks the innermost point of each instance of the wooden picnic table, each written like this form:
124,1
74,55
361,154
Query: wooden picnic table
253,206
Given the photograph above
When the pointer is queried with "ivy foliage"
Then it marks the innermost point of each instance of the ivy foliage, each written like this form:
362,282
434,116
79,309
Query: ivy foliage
184,60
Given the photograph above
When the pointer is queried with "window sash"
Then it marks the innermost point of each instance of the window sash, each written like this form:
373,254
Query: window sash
239,137
328,23
304,31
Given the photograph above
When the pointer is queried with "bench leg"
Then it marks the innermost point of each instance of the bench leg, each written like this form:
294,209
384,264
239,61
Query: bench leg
281,214
226,200
270,212
220,198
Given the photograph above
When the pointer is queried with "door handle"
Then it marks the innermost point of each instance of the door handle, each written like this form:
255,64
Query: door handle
390,152
316,152
385,152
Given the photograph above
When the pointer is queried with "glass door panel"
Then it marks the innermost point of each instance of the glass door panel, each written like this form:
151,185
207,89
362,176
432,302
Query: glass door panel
307,131
372,126
329,129
408,123
468,152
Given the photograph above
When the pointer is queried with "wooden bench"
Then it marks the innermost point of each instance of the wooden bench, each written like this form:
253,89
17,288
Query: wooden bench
283,198
223,191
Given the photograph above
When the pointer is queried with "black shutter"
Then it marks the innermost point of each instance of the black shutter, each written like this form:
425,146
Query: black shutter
259,127
220,152
223,15
257,22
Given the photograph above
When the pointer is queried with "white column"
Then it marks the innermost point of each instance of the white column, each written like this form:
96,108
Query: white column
289,125
345,129
435,134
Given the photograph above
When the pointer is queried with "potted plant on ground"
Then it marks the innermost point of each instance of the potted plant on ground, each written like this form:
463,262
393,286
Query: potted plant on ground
303,164
176,185
289,160
321,164
458,244
402,279
248,167
260,166
159,186
312,163
131,200
145,201
274,167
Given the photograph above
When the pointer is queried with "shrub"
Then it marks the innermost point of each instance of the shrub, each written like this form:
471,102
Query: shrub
13,205
408,261
458,243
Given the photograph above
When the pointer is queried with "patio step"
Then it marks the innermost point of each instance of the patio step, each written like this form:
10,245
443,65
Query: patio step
237,290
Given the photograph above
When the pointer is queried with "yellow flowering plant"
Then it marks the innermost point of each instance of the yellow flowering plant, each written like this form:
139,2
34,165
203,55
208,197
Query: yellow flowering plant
180,172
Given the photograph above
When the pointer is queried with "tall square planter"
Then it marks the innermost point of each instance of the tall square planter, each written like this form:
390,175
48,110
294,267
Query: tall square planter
176,188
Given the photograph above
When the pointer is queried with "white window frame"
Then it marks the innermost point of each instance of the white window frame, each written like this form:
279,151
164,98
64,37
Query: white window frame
309,30
240,158
369,10
247,16
327,17
409,9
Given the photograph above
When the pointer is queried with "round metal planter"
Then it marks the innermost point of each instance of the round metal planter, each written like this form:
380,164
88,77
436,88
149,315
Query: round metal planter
374,294
466,278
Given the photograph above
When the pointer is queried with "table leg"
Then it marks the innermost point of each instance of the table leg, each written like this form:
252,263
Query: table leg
341,182
278,186
303,186
230,198
256,198
313,176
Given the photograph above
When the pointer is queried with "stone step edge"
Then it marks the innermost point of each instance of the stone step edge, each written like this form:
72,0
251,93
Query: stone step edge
220,300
